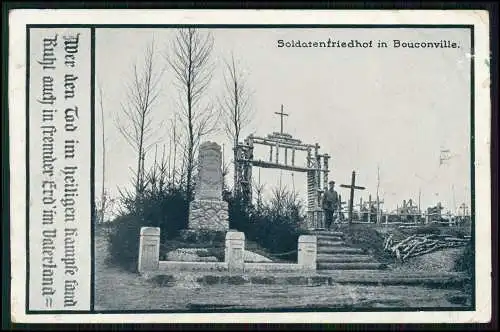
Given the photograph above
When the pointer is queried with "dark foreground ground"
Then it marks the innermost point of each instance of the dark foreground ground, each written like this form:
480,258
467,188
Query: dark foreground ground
116,289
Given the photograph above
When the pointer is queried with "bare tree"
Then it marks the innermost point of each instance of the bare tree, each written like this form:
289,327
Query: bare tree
172,154
225,171
137,127
193,70
175,172
259,189
157,176
235,107
103,193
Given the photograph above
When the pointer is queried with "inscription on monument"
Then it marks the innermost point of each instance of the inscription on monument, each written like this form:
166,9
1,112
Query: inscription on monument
209,184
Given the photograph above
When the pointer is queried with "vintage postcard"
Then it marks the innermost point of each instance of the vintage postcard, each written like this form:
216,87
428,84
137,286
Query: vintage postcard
250,166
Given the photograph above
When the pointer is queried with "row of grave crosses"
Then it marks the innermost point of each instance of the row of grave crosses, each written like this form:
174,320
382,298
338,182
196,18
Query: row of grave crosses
317,168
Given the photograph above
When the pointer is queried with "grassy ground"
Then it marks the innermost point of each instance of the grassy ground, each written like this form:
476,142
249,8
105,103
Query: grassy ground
117,289
371,238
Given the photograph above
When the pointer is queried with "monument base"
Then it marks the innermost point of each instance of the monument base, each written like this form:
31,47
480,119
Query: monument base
205,236
208,215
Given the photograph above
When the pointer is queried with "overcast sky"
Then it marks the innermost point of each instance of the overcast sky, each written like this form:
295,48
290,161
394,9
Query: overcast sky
386,107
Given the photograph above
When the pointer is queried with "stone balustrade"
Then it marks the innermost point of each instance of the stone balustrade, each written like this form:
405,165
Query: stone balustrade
234,258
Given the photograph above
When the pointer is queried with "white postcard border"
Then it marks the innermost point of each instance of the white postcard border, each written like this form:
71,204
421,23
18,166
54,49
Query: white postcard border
18,20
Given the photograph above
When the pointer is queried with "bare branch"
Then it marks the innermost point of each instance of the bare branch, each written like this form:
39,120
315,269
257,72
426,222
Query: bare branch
137,125
193,69
234,106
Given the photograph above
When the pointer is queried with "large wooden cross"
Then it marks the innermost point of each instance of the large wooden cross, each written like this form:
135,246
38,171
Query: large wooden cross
352,187
281,114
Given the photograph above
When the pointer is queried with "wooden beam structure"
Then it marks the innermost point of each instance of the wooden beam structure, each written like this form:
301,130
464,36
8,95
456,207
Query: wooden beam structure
316,166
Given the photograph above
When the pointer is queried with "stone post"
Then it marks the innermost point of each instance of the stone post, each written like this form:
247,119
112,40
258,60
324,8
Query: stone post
307,253
235,250
149,249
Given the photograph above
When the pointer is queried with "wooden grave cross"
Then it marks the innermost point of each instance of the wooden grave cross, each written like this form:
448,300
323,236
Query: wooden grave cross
341,208
370,203
352,187
377,206
379,202
464,209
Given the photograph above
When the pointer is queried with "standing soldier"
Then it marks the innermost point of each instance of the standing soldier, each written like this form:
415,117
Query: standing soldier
330,203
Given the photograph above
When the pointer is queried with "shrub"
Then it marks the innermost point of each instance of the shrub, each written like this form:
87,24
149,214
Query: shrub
465,262
275,225
156,201
167,210
202,236
123,239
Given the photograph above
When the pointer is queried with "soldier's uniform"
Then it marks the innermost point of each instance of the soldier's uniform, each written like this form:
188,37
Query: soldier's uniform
329,204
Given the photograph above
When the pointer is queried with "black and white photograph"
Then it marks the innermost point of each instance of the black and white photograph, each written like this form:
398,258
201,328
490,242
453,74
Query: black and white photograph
256,167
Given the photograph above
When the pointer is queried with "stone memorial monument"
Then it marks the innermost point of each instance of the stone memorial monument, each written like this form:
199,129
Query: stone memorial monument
208,211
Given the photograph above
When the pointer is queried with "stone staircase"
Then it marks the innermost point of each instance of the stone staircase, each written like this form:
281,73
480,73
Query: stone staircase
335,254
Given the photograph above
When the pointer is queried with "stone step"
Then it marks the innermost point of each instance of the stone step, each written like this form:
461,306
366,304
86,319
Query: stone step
339,250
330,237
351,266
328,233
320,277
329,258
328,242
